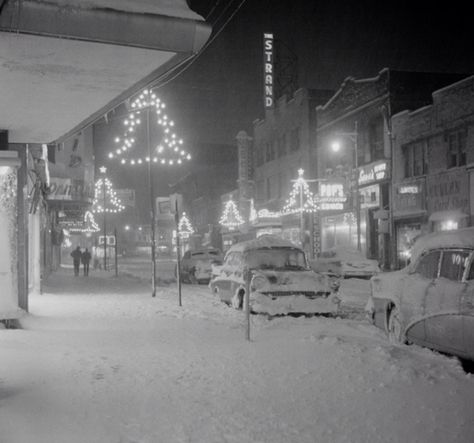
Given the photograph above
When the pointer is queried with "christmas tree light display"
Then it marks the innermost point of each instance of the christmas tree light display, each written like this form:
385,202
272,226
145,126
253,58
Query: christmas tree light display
89,224
301,198
231,218
185,228
105,198
169,151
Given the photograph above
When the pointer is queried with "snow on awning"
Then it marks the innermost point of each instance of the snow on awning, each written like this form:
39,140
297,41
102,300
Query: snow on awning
454,214
67,62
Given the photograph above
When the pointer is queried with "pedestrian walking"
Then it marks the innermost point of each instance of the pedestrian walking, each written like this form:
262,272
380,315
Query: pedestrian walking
76,259
86,258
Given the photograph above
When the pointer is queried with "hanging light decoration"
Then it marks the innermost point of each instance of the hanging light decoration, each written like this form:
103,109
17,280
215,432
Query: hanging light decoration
105,198
169,151
301,198
185,228
89,224
231,218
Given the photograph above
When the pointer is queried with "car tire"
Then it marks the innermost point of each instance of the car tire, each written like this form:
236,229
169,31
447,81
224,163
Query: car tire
238,299
394,326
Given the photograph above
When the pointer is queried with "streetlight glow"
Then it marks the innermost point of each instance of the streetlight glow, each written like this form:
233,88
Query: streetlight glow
336,146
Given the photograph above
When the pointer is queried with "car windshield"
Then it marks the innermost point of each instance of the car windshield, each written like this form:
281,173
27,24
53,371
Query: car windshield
276,258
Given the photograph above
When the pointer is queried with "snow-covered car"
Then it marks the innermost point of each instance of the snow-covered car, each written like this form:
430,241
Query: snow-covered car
431,301
346,263
281,281
196,264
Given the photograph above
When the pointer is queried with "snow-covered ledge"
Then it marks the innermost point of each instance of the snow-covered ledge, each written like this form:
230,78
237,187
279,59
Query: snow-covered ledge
9,164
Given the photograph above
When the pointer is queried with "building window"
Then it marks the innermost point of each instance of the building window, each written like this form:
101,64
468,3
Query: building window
270,151
457,149
259,155
295,139
281,150
415,159
260,190
376,139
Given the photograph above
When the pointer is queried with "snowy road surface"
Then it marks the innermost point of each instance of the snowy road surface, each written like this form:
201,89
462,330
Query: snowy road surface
100,361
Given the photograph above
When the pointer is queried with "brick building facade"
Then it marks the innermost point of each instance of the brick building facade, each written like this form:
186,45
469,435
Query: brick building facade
433,167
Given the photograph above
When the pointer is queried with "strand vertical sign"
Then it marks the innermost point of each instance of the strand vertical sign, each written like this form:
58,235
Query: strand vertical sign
268,70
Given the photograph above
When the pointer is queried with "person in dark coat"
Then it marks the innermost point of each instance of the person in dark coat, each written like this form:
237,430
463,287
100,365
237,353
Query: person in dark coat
86,258
76,259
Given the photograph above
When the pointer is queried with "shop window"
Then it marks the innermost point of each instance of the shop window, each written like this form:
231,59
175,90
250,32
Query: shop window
428,265
453,264
415,156
457,149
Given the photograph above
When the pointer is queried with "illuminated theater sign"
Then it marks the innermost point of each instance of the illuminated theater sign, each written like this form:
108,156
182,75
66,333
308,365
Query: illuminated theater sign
268,70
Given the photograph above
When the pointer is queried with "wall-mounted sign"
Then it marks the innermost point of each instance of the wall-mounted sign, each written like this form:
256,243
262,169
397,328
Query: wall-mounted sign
69,189
409,189
409,197
448,190
373,173
331,197
268,70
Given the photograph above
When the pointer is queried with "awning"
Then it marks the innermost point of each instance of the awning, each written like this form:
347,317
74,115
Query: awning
65,63
454,214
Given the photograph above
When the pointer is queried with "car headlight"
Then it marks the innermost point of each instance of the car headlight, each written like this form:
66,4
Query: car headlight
258,282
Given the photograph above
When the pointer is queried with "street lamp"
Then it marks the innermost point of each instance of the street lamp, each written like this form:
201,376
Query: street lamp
336,147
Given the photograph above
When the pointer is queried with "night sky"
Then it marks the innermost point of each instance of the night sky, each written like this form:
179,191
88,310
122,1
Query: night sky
220,92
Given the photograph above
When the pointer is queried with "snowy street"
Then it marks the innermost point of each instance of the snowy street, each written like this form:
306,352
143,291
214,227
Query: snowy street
99,360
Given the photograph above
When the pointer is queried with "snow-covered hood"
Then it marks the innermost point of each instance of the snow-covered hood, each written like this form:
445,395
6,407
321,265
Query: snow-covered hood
289,281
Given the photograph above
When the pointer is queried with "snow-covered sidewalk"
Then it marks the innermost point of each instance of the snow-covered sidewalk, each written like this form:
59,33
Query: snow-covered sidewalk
100,360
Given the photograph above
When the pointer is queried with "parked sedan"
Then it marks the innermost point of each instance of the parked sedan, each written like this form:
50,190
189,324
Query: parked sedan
280,280
431,301
196,264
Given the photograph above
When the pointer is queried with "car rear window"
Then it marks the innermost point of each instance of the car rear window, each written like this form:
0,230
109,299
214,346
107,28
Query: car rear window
453,264
427,266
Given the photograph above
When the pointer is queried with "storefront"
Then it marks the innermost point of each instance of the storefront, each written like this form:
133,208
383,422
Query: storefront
447,200
410,218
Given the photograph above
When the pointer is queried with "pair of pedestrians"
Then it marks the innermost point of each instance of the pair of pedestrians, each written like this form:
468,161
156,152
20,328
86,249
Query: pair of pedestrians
79,257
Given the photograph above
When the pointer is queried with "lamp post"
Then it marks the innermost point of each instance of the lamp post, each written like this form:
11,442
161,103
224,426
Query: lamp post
336,146
168,152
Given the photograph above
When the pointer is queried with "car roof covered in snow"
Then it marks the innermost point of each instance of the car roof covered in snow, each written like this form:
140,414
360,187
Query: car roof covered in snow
460,238
262,242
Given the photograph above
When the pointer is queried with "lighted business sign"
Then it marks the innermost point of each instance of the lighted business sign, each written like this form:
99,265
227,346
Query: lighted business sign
331,197
268,70
373,173
409,189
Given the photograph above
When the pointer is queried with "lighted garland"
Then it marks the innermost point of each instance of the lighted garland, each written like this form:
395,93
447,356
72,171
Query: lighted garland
293,204
185,228
168,152
89,224
98,203
231,217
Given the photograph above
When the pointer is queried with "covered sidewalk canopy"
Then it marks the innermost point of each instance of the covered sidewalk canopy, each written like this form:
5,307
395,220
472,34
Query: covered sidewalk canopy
65,63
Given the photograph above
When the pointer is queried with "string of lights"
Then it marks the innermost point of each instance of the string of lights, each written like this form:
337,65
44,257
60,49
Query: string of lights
301,199
231,218
105,197
170,149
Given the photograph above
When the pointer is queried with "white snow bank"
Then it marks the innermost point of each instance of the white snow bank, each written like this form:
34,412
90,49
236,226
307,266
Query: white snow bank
102,361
